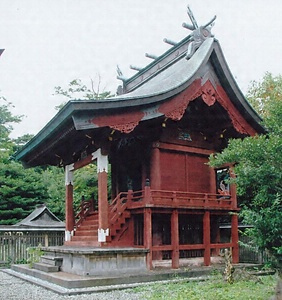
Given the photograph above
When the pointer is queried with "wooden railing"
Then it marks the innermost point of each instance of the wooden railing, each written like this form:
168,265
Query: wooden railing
190,200
118,209
175,199
85,207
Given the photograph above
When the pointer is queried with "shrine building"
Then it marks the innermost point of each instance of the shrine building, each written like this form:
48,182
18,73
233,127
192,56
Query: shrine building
166,203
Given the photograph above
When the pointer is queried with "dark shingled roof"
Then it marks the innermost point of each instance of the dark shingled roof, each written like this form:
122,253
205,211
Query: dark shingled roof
166,77
41,217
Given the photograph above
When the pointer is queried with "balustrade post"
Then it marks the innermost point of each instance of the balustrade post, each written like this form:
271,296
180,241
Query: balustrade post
129,196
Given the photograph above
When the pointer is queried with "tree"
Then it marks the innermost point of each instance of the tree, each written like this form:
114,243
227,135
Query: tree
258,168
77,90
85,179
6,121
53,181
20,190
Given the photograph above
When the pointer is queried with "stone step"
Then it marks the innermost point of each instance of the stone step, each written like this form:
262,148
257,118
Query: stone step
51,260
45,267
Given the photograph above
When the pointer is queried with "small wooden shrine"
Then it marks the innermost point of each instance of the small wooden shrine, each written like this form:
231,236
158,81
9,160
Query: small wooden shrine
157,135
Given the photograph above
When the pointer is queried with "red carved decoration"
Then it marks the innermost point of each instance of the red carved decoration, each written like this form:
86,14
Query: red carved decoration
177,113
239,123
208,93
125,128
123,122
175,108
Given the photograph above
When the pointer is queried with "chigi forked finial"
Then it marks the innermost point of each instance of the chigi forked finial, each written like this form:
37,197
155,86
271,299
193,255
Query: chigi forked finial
199,34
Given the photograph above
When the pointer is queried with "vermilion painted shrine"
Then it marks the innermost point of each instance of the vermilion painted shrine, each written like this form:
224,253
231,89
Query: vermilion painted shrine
157,135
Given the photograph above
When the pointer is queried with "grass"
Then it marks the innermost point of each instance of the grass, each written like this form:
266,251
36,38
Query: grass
259,288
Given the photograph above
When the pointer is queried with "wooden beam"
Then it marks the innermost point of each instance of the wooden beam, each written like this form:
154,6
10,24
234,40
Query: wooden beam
182,148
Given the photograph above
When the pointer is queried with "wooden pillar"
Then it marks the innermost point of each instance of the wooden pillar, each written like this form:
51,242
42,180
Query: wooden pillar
213,181
103,209
148,235
69,202
175,239
235,238
155,169
207,238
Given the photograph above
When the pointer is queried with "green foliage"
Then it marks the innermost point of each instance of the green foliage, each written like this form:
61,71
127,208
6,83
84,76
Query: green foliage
77,90
6,118
34,254
85,184
258,168
6,121
53,179
20,190
214,288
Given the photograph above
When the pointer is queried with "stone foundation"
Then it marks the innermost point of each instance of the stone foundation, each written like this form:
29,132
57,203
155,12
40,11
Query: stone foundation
99,261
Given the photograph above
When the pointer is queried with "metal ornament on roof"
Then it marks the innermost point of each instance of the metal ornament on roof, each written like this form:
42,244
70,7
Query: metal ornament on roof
199,34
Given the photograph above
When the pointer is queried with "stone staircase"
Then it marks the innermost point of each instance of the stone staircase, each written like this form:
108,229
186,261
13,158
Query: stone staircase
48,264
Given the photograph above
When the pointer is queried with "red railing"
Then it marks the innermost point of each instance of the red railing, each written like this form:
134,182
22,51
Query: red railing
85,207
175,199
190,200
122,202
118,209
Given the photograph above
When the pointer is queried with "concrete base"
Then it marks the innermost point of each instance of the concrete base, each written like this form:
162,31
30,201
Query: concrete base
99,261
71,284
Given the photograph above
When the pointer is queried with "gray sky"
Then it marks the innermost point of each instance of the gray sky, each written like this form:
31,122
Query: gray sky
50,42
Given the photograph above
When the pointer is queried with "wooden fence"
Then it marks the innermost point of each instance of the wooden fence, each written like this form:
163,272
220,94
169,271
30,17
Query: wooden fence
249,253
14,245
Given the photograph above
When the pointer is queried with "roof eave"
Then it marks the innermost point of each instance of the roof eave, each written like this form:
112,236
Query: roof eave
223,72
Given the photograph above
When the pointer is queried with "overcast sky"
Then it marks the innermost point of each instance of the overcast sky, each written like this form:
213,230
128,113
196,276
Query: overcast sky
50,42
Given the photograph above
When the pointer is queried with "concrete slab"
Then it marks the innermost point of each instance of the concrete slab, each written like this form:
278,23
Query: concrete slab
71,284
